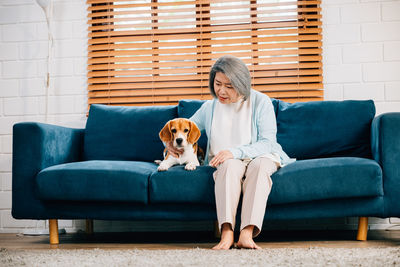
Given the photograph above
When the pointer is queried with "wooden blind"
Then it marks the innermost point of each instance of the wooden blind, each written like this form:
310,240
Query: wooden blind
156,52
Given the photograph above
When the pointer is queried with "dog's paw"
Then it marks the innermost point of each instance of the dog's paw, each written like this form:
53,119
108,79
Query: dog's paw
162,168
157,161
190,166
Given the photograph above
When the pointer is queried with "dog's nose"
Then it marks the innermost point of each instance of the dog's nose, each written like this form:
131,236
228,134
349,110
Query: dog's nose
179,141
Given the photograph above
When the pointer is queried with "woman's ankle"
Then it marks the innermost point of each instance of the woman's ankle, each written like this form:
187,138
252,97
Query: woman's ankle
226,227
247,231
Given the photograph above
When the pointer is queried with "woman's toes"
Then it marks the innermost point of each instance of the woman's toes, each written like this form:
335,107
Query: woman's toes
223,245
248,243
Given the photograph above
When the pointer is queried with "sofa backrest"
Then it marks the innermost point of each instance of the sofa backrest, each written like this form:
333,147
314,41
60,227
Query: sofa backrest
325,128
315,129
126,133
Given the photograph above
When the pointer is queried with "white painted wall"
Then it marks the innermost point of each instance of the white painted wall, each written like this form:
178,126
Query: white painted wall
361,61
361,51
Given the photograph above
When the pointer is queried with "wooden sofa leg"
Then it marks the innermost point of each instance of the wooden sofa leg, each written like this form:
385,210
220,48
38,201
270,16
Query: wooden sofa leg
53,231
362,228
89,226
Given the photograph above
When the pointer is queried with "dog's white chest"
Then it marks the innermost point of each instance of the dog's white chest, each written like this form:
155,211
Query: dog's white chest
187,156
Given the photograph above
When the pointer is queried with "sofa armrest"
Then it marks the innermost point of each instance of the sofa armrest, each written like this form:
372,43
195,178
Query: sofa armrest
385,144
37,146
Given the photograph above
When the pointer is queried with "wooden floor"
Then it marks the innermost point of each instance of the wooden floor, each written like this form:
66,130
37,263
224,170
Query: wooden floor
187,240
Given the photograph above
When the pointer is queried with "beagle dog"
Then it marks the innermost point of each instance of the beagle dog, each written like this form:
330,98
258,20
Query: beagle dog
184,134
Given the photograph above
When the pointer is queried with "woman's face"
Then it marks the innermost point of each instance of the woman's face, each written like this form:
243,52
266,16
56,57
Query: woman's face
224,90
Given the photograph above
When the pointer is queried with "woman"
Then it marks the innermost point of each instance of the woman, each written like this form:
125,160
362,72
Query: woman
241,128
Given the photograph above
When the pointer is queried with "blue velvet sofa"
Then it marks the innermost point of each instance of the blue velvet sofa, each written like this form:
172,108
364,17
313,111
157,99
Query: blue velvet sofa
347,165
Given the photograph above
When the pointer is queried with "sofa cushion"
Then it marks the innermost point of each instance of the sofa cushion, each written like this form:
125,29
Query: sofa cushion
178,185
96,181
325,128
329,178
125,133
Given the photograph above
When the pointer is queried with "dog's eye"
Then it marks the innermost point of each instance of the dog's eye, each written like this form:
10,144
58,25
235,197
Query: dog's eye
186,130
173,130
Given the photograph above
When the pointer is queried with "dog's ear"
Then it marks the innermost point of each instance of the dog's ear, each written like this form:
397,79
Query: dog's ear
165,133
194,133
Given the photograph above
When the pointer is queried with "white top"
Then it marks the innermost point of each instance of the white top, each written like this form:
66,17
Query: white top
231,128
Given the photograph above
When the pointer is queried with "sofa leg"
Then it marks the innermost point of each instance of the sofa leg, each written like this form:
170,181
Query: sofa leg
362,228
89,226
53,232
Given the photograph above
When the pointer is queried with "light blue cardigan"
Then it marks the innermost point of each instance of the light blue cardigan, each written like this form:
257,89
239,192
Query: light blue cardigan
263,128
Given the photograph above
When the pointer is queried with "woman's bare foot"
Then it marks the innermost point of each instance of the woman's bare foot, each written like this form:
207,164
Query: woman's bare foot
226,237
246,238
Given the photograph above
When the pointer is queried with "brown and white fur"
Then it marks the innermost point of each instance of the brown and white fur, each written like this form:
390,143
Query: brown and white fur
184,134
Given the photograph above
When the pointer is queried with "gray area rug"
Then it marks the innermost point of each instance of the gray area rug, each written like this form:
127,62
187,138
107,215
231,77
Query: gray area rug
313,256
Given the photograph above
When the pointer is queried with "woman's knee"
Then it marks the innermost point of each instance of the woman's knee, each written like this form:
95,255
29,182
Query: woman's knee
263,165
231,163
230,168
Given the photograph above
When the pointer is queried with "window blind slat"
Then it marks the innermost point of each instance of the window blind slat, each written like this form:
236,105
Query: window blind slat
261,88
206,66
172,61
164,12
206,40
207,21
296,50
167,3
134,47
205,25
162,83
178,4
180,78
272,73
243,32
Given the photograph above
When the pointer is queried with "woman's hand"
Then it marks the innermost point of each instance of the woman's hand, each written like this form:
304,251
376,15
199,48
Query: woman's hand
173,150
220,158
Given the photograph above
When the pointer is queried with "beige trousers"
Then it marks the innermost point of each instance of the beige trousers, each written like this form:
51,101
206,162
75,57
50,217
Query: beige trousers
254,179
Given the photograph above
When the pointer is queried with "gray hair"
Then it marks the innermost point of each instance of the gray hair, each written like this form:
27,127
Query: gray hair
236,71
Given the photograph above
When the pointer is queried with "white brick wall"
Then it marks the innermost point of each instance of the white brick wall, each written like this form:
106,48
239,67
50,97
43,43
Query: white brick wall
19,32
33,50
9,52
20,69
344,73
380,32
374,91
391,11
392,91
381,71
391,51
9,88
360,13
360,54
